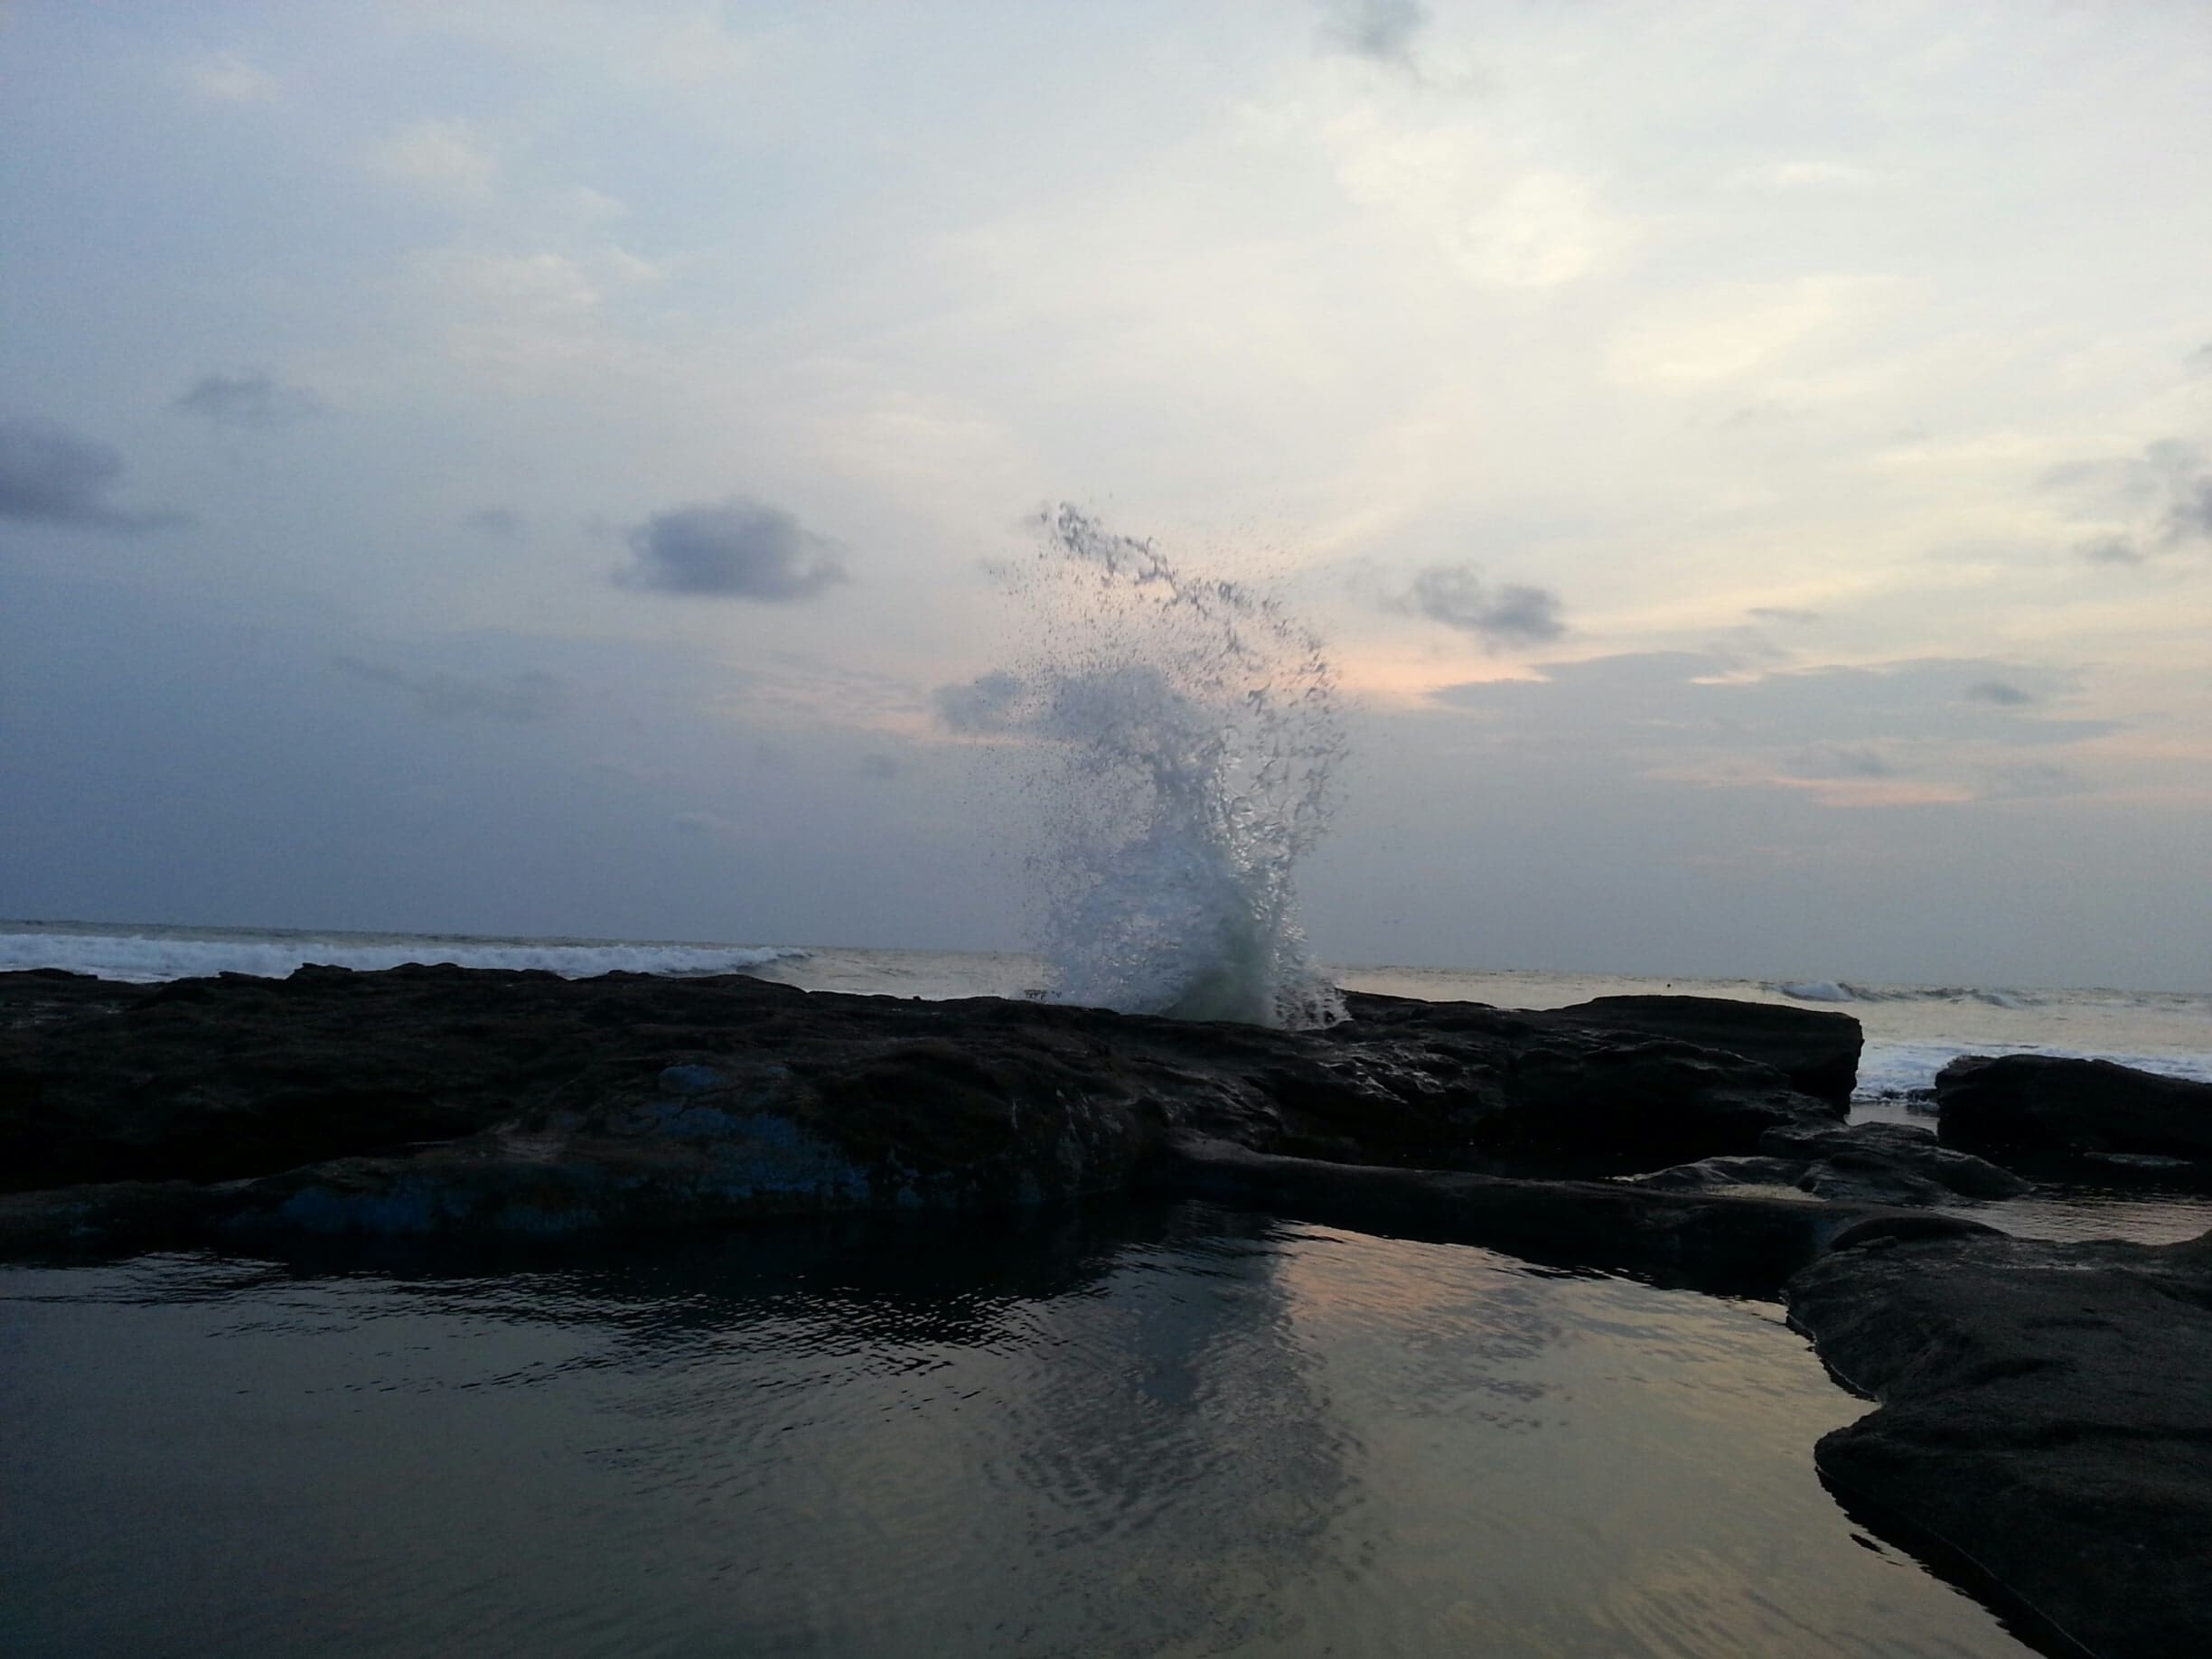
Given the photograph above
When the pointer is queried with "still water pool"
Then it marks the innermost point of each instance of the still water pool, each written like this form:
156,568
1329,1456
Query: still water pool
1164,1431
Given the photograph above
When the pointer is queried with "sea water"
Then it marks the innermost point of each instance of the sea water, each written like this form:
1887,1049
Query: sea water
1118,1430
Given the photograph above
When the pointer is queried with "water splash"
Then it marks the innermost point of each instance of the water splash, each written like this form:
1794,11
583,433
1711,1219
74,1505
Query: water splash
1184,732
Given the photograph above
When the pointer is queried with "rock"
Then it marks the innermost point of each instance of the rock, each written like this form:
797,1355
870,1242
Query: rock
1817,1050
2040,1104
1738,1243
1905,1148
443,1098
1777,1175
2045,1429
1865,1163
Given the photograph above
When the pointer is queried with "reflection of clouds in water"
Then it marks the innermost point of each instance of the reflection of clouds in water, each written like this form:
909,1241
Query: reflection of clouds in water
1568,1462
1125,1431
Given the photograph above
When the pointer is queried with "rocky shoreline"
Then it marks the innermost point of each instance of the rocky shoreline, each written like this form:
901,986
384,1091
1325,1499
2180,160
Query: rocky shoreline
2045,1410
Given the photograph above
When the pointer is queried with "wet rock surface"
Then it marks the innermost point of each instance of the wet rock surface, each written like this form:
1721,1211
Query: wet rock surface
1735,1243
2092,1113
2045,1429
1865,1163
1817,1050
436,1098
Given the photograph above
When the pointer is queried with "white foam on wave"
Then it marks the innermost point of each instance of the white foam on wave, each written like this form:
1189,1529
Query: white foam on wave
1837,990
1813,990
1892,1070
145,959
1181,735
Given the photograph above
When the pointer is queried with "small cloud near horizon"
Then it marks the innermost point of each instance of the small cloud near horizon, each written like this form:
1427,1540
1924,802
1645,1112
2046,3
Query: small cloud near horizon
984,704
1516,614
734,549
254,399
523,699
503,522
51,476
1781,614
1832,759
2002,692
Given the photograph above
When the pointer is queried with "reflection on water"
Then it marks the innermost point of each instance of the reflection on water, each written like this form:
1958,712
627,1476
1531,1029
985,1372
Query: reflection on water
1157,1431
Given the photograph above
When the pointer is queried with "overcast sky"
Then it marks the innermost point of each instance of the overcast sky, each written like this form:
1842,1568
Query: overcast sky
526,465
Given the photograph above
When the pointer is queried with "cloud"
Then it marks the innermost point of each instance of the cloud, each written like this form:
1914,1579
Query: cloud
879,767
2189,516
524,697
1514,614
2200,362
252,400
1383,30
1921,731
738,550
1832,759
1781,614
988,703
502,522
50,476
225,77
2164,496
444,158
2111,550
2037,781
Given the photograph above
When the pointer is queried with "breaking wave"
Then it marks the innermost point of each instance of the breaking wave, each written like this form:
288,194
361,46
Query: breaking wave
1179,734
149,957
1833,990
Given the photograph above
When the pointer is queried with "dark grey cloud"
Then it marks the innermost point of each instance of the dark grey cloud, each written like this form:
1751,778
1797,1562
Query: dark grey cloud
1383,30
880,766
2189,516
736,549
503,522
2002,692
1514,614
526,697
1781,614
2164,495
2111,550
253,400
986,703
50,476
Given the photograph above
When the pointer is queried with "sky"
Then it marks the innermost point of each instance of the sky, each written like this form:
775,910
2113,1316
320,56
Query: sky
536,466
